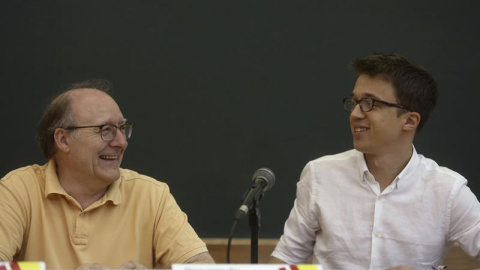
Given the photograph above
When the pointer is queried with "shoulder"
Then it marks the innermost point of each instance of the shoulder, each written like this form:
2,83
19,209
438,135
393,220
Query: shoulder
349,154
24,175
344,159
143,190
132,179
341,168
428,175
24,186
431,170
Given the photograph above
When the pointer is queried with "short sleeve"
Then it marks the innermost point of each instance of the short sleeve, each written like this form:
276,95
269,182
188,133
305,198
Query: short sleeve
13,214
175,240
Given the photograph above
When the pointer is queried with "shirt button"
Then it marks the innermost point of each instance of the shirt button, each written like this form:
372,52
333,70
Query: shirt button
82,215
377,235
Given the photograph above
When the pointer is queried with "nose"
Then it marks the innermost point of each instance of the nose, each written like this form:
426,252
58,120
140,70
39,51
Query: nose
357,112
120,139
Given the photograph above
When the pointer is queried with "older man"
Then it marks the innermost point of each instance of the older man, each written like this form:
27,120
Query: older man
81,209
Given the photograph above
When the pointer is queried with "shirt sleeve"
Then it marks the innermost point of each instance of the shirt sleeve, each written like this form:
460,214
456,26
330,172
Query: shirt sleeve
296,243
175,240
465,220
13,216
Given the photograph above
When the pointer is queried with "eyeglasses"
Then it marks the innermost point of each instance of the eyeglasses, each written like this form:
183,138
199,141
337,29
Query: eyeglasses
108,131
366,104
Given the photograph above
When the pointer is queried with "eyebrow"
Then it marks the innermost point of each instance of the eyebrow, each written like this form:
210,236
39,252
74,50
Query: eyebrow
367,95
113,123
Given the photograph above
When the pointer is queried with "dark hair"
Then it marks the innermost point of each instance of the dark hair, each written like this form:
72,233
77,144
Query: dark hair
414,85
58,113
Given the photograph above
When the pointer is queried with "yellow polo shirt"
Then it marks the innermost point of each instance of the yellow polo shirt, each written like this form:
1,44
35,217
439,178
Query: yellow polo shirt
137,219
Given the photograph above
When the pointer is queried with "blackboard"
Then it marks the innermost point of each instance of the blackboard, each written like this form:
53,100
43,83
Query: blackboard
218,89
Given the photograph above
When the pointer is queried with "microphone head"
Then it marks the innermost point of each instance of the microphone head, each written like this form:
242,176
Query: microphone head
266,176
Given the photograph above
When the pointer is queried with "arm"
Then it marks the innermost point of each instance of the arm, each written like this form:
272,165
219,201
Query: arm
465,221
275,260
175,241
298,239
204,257
13,220
130,265
92,266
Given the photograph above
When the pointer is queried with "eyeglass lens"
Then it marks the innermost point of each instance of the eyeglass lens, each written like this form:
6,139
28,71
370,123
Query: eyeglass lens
109,131
366,104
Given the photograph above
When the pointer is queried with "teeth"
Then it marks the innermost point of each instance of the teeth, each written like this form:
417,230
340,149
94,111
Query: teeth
108,157
360,129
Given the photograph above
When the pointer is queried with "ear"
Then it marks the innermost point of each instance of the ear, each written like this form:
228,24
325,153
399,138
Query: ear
61,139
411,121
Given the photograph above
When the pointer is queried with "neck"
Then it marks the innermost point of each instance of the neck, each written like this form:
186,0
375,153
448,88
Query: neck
86,198
84,192
386,167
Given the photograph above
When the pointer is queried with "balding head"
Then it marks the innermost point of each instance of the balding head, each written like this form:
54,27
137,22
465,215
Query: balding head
58,113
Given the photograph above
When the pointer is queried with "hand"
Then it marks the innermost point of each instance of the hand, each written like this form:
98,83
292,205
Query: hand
92,266
131,265
399,267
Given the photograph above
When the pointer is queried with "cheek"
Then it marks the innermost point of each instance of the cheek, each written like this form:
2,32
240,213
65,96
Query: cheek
391,126
351,119
90,152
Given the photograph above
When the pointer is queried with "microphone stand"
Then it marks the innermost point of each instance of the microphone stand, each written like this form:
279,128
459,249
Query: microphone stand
254,220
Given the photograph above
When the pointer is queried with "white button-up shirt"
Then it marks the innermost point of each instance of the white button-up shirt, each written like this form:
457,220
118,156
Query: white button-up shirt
341,216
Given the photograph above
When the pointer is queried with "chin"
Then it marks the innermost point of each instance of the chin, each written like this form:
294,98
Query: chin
359,147
110,177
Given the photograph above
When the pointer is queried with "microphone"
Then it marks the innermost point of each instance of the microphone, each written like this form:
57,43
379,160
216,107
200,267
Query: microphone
263,179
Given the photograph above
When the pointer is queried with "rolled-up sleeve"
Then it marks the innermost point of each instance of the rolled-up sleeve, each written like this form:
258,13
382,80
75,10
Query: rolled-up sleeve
465,220
296,243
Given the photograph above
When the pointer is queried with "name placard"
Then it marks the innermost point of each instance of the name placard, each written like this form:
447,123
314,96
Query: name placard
234,266
22,266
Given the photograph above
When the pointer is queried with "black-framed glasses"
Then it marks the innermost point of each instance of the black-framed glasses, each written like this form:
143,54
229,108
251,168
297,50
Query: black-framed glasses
108,131
366,104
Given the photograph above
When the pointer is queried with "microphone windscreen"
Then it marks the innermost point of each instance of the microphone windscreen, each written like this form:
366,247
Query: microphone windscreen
267,175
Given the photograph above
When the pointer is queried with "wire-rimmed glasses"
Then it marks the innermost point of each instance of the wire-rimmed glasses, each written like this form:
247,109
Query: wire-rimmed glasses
108,131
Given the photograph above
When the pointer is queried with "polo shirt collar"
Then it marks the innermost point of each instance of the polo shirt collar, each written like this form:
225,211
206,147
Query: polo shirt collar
114,193
52,185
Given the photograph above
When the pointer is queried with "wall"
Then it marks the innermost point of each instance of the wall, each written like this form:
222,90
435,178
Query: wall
218,89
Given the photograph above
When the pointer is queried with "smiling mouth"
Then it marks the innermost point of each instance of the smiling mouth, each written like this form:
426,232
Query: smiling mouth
109,157
360,129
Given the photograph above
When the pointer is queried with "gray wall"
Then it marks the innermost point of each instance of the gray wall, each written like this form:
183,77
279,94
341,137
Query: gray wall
218,89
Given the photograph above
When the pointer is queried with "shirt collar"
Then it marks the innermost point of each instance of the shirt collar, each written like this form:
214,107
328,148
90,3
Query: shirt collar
362,165
404,174
114,193
52,185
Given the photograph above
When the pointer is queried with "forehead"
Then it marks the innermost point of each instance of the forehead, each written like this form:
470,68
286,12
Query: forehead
374,86
91,106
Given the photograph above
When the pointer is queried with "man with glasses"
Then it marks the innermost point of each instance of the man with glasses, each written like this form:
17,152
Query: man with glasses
381,205
81,209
